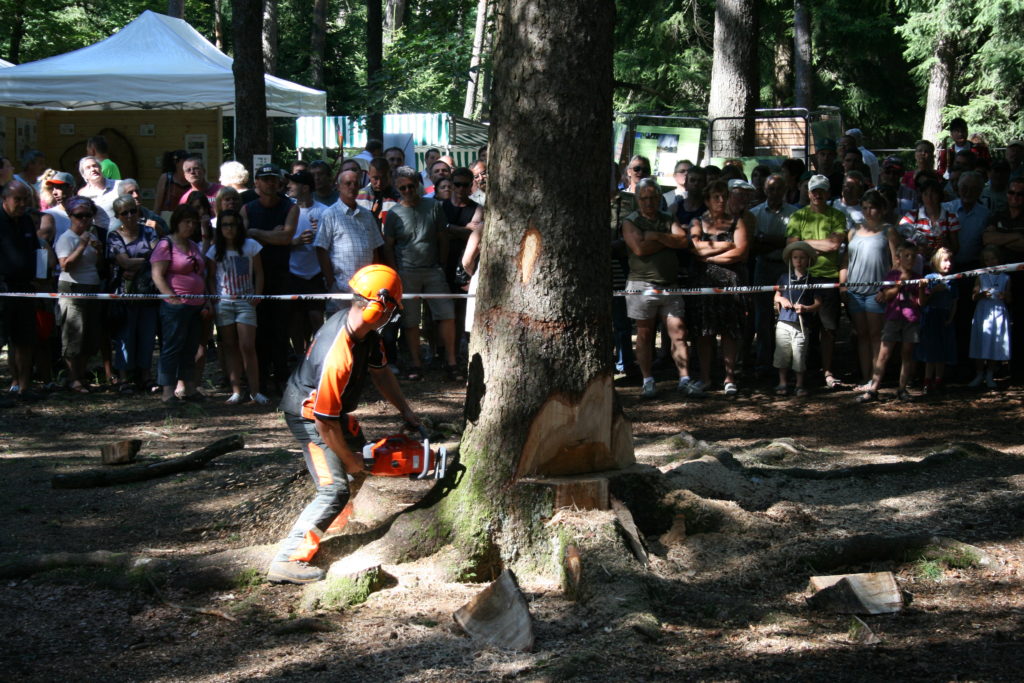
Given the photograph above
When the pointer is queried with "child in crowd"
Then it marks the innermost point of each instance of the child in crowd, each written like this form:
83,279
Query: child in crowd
902,322
235,269
793,304
990,329
937,347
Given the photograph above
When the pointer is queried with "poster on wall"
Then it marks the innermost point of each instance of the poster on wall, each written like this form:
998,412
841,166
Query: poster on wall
195,144
25,135
664,146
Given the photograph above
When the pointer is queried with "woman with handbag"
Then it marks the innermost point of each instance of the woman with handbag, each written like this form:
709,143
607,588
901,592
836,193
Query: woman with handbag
128,250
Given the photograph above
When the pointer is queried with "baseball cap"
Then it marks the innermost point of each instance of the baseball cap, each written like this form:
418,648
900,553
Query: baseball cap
818,182
740,184
304,177
62,178
268,170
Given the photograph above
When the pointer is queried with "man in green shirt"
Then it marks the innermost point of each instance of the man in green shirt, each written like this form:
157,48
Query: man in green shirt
824,228
96,146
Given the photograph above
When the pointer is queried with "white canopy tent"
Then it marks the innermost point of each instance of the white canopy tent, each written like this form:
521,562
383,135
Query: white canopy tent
155,62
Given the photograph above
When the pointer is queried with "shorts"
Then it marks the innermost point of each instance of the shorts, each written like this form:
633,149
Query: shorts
80,320
650,306
231,311
828,314
790,347
863,303
901,331
300,285
425,281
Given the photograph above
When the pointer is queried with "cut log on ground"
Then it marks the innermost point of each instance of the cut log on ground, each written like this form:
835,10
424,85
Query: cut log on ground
120,453
193,461
21,566
498,616
874,593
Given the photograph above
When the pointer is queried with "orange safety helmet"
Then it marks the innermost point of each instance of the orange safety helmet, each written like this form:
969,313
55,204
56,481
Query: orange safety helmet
382,288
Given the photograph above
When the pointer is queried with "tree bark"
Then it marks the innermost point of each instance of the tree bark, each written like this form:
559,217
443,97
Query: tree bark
734,77
176,9
318,43
802,92
270,37
374,61
939,84
251,127
17,32
487,77
394,17
474,61
540,395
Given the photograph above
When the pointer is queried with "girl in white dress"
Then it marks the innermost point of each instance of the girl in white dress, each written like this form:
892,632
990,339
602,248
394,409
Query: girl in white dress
990,329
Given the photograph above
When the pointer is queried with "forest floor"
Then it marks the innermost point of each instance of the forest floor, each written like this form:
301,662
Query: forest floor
729,602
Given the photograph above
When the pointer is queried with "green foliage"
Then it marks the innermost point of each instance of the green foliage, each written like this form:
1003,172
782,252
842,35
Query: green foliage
248,578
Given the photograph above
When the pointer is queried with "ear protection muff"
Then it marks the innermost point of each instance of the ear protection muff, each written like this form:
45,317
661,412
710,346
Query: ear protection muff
377,310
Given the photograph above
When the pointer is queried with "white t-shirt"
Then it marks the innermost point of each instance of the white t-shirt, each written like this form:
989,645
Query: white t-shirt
302,261
61,222
83,270
235,275
104,200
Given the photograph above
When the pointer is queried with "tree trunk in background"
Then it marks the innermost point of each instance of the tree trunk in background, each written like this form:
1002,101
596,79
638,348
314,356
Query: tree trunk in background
802,92
251,130
394,17
473,82
939,81
218,24
176,9
540,396
17,20
318,44
734,77
270,36
374,61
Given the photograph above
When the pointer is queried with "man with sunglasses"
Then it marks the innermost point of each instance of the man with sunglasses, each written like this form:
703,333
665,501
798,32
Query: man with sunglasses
414,230
464,216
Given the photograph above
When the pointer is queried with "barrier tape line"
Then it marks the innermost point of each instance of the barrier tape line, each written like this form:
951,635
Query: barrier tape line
693,291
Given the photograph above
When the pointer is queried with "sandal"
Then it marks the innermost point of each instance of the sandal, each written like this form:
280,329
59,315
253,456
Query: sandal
78,388
830,381
454,374
801,392
414,374
868,396
730,389
781,390
904,395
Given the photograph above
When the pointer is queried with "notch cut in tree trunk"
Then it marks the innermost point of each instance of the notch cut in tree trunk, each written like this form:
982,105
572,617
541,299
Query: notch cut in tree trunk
874,593
498,615
193,461
121,452
578,437
580,492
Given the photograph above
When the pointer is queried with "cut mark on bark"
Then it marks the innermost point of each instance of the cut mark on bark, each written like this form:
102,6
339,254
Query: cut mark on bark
529,253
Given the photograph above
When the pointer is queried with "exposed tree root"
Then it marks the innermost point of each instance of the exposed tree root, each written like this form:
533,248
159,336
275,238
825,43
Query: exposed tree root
908,466
21,566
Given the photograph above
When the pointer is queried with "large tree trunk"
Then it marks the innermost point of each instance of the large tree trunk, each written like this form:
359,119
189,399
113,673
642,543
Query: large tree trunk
394,17
176,9
802,94
17,20
251,128
734,77
939,81
483,91
318,43
474,61
374,61
270,36
540,398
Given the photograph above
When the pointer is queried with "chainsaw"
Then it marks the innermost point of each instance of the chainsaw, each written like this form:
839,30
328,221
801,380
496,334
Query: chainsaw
400,455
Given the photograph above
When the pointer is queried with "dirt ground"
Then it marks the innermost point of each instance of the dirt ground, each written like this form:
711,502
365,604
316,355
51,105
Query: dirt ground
729,598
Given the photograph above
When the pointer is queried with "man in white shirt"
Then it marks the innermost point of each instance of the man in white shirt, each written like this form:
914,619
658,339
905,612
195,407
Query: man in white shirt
304,274
870,160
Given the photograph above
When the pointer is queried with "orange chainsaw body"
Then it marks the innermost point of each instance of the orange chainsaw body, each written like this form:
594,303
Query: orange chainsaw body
402,456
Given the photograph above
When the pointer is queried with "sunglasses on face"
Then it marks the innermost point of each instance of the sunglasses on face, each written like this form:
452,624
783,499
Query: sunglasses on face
128,212
640,169
462,184
1013,193
81,216
406,188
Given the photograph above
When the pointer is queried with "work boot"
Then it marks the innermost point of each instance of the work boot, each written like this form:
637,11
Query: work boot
284,571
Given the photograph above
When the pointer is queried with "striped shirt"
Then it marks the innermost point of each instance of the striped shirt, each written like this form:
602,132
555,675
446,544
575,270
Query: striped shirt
916,227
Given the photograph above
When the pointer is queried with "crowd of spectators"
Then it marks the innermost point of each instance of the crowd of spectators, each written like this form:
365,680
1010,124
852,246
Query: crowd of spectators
304,232
858,220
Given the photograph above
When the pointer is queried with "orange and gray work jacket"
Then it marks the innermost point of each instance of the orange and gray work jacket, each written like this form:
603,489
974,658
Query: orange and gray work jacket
329,381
